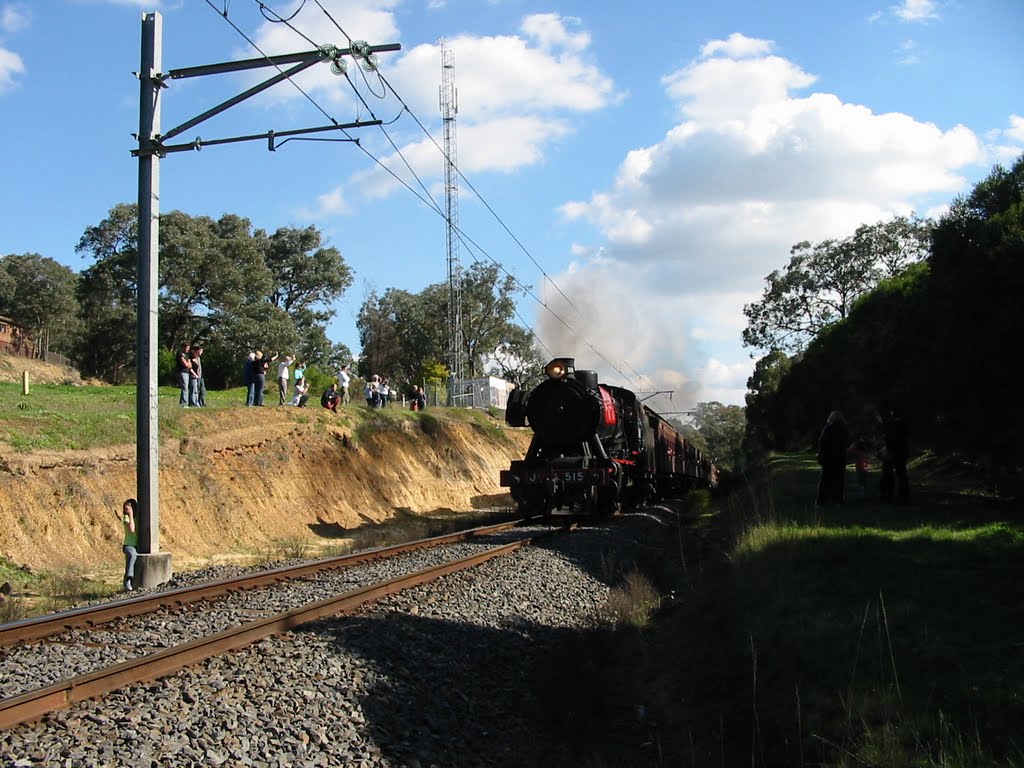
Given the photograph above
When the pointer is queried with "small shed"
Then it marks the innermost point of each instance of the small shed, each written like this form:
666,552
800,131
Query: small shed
483,393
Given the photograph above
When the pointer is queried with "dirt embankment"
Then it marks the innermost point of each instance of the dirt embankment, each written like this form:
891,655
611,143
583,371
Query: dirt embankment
13,368
245,478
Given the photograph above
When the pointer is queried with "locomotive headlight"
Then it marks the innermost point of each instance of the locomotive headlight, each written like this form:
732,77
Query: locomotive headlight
556,369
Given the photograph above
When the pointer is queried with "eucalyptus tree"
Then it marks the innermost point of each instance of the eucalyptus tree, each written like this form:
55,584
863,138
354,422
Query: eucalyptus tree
306,275
401,334
766,429
896,243
107,296
405,334
517,358
975,320
723,428
821,282
212,274
488,307
220,284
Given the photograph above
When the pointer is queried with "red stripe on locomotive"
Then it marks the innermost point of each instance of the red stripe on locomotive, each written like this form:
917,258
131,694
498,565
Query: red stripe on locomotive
607,407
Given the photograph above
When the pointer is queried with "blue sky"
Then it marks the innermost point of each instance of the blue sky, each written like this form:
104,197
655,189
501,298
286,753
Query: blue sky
655,165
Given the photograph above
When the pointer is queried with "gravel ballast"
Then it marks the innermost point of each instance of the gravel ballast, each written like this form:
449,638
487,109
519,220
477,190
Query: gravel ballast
437,675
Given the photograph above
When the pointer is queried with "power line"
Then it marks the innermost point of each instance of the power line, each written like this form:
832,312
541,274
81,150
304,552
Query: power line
427,199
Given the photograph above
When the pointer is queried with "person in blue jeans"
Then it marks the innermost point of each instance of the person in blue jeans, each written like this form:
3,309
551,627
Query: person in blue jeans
184,362
131,541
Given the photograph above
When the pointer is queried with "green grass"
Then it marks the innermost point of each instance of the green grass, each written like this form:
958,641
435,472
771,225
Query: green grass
846,636
900,626
64,417
35,593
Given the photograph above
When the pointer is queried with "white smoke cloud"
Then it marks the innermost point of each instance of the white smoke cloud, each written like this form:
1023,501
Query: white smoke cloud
690,226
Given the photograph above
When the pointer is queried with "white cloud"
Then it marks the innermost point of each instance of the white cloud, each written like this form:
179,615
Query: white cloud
693,223
11,66
333,203
517,96
725,382
737,46
916,10
14,18
1016,130
505,74
1007,144
715,88
546,70
551,33
907,53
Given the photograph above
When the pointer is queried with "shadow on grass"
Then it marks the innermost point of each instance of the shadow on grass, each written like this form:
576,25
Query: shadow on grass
859,634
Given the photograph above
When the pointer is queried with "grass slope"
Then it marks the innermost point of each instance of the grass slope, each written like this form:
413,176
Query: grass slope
845,636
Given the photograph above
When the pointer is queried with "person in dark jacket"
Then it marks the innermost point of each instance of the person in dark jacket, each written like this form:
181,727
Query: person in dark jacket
260,367
895,485
832,445
330,398
249,379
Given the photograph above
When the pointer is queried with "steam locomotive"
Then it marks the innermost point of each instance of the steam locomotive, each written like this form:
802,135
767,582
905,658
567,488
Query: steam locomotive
596,449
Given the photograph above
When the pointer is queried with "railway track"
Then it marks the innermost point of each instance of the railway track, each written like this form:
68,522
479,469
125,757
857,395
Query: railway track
144,638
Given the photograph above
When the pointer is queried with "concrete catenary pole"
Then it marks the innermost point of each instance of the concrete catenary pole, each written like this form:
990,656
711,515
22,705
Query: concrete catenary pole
152,567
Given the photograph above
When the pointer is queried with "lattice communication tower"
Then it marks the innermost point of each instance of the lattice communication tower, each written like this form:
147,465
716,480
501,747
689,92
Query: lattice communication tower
449,108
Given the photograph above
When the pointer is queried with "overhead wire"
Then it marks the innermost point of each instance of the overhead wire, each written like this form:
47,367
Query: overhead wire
428,199
309,98
435,206
279,19
476,192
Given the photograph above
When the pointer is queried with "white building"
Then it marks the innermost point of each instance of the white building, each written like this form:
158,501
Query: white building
483,393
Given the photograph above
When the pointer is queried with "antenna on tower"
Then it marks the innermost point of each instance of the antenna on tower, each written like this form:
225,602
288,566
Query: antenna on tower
449,108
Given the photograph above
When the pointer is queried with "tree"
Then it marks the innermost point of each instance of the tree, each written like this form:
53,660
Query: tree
822,281
765,430
488,306
211,274
896,243
722,426
405,336
219,284
517,359
306,275
976,320
107,296
38,294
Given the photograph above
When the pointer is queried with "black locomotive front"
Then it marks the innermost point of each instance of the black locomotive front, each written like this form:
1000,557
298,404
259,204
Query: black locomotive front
574,459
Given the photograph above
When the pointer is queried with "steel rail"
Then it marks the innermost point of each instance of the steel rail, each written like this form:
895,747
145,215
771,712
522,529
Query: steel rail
35,704
90,616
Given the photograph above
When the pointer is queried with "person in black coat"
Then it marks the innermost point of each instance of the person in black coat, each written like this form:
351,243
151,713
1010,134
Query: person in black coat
895,485
832,445
330,398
